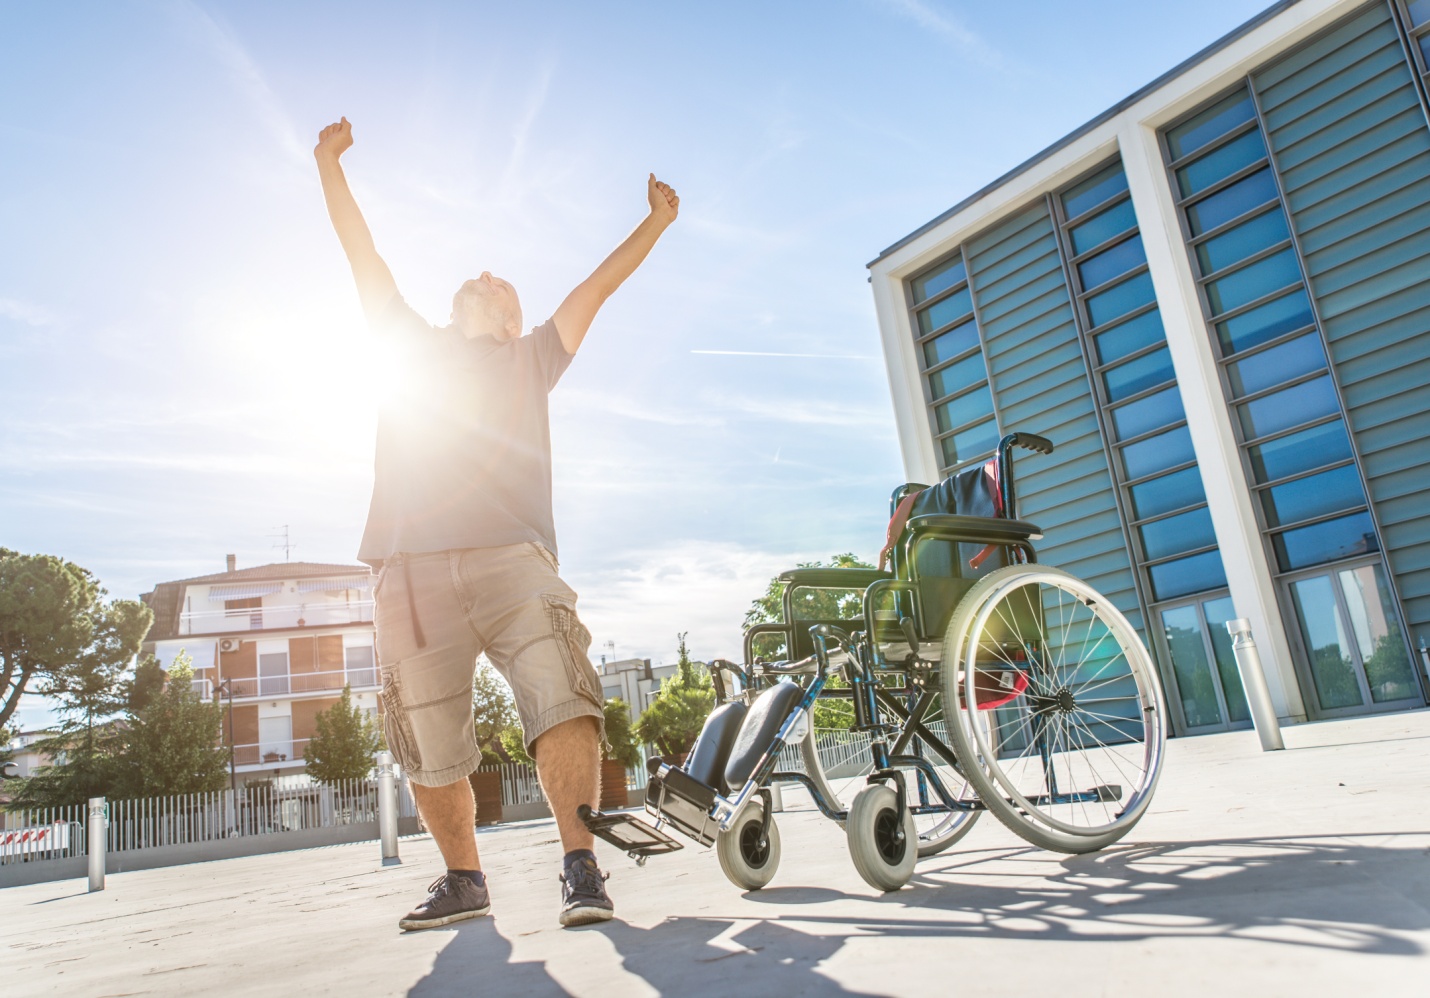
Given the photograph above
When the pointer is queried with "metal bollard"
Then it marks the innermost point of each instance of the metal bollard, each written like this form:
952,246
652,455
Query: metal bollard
98,840
387,808
1253,682
777,798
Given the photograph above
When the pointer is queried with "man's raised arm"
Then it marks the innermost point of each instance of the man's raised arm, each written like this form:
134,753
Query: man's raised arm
374,281
574,315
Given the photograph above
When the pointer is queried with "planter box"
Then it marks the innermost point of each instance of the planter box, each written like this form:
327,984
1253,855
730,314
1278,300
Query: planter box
486,787
613,785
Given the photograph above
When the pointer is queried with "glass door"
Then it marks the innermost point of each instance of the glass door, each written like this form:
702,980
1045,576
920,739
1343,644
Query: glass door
1352,645
1206,684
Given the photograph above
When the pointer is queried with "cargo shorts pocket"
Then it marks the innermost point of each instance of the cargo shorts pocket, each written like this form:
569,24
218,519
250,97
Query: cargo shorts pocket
396,725
572,641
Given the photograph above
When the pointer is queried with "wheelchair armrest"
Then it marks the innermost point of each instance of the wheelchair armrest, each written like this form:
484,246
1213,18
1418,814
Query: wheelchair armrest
986,529
833,578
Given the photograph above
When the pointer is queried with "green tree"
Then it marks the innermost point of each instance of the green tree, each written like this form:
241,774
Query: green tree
53,622
172,743
493,712
99,641
344,740
813,604
674,718
620,743
513,743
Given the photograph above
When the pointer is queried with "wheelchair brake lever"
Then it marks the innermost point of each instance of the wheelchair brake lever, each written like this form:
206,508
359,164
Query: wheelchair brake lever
906,625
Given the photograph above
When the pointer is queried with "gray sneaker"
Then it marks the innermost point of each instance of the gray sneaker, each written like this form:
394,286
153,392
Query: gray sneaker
450,899
583,894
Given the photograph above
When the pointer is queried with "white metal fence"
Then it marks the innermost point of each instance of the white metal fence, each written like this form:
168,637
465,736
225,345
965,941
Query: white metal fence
151,822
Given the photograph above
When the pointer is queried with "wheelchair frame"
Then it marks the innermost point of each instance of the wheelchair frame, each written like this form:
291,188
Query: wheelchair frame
893,718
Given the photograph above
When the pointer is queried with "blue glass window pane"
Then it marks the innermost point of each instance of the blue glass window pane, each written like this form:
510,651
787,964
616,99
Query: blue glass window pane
1281,363
1094,190
1419,11
1243,241
1162,495
964,409
1253,281
972,442
1315,495
1196,574
1322,542
1231,202
1210,124
948,345
1295,452
1424,43
956,377
1237,154
1132,335
954,306
1120,299
1165,450
1147,414
1103,226
946,276
1325,639
1195,686
1264,322
1284,409
1111,262
1183,532
1138,375
1218,612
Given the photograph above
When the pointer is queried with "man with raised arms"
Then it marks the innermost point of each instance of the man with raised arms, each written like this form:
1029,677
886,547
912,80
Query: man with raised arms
460,531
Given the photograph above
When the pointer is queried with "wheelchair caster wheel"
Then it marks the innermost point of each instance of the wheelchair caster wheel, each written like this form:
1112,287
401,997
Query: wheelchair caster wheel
748,858
883,842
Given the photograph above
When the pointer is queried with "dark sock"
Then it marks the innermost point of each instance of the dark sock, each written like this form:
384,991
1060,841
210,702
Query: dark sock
578,856
475,876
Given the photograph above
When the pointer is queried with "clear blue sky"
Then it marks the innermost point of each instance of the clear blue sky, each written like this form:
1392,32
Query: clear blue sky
183,364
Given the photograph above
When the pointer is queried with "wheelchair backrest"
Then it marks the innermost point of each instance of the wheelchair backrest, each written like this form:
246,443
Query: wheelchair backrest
945,570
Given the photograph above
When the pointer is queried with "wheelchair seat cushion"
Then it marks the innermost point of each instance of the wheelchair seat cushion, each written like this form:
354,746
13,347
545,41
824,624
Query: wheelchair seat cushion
769,711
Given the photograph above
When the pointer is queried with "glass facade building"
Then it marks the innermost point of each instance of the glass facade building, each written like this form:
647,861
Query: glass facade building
1215,300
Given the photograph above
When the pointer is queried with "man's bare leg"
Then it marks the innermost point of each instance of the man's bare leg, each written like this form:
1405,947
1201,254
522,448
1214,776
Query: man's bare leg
451,816
568,761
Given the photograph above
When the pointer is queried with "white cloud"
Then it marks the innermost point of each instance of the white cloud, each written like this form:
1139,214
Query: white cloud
26,312
927,16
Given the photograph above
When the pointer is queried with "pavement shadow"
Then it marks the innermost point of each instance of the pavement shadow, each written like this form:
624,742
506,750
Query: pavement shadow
1343,893
479,961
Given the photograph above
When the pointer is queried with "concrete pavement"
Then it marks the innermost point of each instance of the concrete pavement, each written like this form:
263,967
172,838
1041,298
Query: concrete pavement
1303,872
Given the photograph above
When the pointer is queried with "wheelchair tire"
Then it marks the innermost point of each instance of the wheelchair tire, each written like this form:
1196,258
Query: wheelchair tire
1069,763
882,842
747,862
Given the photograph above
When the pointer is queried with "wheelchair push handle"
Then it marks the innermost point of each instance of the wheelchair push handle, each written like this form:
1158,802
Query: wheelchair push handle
1028,441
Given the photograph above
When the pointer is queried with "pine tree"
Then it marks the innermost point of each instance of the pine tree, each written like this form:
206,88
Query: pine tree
343,744
674,718
172,743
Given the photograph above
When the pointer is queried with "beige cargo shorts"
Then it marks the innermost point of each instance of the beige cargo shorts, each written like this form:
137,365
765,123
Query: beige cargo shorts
436,612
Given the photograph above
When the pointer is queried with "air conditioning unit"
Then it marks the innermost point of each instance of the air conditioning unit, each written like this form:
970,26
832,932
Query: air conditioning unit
228,645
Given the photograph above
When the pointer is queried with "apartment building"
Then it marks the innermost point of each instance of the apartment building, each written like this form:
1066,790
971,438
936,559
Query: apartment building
1214,298
276,644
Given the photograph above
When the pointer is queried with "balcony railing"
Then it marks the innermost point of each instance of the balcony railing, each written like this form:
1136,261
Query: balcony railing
330,681
270,618
270,752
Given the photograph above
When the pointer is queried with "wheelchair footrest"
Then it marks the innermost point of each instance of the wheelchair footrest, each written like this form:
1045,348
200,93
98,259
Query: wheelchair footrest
628,833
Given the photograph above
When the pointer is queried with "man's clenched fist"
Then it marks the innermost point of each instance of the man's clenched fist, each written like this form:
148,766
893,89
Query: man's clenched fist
334,140
664,202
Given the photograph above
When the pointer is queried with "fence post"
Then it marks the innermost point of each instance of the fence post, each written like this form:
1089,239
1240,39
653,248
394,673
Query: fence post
97,827
1253,682
387,808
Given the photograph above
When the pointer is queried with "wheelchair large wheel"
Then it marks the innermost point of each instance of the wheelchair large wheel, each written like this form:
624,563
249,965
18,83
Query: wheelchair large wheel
749,859
1069,762
882,841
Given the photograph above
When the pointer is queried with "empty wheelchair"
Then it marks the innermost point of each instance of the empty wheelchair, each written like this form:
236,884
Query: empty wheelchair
982,680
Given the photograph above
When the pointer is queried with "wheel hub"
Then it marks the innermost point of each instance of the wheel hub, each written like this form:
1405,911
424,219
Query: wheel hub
1062,701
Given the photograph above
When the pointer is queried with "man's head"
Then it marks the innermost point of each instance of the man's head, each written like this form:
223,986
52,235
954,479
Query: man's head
487,306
